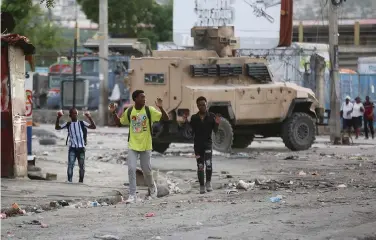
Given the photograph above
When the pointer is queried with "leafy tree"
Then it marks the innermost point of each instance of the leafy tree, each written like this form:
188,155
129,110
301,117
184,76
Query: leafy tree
34,24
126,16
123,15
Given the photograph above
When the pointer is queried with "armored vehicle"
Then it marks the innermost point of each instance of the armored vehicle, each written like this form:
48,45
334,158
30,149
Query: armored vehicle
241,89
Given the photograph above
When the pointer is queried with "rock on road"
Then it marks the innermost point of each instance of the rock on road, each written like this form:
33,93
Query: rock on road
328,192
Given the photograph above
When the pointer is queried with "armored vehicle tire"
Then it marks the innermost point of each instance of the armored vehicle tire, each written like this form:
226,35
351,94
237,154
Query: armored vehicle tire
160,147
298,132
222,140
242,141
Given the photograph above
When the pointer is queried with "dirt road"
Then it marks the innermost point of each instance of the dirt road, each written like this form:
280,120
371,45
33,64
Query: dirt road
327,192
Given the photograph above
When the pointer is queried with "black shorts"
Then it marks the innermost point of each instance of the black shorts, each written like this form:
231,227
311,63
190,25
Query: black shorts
347,123
357,122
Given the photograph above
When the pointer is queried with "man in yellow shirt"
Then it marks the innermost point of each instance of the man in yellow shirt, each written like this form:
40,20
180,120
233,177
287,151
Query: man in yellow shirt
140,118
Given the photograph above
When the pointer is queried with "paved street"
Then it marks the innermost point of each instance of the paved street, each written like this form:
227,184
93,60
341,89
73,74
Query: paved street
328,192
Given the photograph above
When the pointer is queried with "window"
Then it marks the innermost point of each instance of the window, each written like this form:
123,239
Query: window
154,78
89,66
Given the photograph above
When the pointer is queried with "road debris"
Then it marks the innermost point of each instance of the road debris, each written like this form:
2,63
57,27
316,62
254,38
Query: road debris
302,173
151,214
232,191
245,186
107,237
278,198
342,186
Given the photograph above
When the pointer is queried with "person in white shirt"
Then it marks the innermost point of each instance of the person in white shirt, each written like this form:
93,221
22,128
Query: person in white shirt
346,110
357,114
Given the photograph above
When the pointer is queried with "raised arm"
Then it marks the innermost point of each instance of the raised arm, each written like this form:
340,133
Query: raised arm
57,124
217,120
112,109
92,123
159,104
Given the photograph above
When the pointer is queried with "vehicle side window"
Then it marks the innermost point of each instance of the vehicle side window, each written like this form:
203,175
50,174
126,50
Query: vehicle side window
154,78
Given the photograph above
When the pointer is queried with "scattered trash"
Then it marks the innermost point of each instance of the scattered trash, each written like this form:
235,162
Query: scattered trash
198,224
36,222
276,199
314,174
94,204
342,186
302,173
150,214
332,173
232,191
63,203
224,172
157,238
107,237
45,153
291,158
243,185
3,215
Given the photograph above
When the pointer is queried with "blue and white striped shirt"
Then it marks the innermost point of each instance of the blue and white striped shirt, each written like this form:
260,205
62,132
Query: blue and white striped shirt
76,135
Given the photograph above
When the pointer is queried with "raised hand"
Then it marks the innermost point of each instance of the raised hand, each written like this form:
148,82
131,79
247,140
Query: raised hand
87,114
159,102
218,118
112,107
60,113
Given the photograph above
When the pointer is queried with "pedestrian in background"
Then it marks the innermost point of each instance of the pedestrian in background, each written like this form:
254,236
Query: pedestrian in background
77,136
140,118
203,124
357,114
368,117
346,110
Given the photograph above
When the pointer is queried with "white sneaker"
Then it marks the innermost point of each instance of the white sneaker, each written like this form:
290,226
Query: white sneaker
153,192
131,199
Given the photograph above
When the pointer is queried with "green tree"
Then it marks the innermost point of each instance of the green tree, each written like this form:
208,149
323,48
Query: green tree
125,17
161,19
34,24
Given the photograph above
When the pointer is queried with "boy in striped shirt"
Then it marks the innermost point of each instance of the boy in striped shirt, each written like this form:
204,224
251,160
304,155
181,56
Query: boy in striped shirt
77,140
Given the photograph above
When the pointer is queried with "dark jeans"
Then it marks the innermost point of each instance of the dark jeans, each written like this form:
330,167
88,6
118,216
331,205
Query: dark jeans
204,160
73,154
368,123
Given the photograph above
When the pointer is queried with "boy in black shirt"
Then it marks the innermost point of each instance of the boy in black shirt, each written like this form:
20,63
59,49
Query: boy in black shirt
203,124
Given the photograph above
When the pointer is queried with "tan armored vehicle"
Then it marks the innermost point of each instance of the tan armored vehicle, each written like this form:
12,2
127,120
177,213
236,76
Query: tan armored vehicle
241,89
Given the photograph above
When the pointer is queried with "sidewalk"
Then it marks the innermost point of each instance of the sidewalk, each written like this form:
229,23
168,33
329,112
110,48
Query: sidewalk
101,180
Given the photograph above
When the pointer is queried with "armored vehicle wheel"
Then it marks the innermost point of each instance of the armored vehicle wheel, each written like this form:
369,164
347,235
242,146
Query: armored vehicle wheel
242,141
298,132
222,140
160,147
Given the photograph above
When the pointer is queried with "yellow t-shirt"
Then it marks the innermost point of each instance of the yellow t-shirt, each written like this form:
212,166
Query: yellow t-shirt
139,130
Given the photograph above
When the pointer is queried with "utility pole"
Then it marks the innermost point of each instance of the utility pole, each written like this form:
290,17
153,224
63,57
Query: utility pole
103,61
335,120
75,58
319,63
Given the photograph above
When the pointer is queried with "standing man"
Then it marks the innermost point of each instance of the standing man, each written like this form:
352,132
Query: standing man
346,110
140,118
77,134
368,117
203,124
357,113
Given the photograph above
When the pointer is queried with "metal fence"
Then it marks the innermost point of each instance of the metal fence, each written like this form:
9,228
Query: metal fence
353,85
